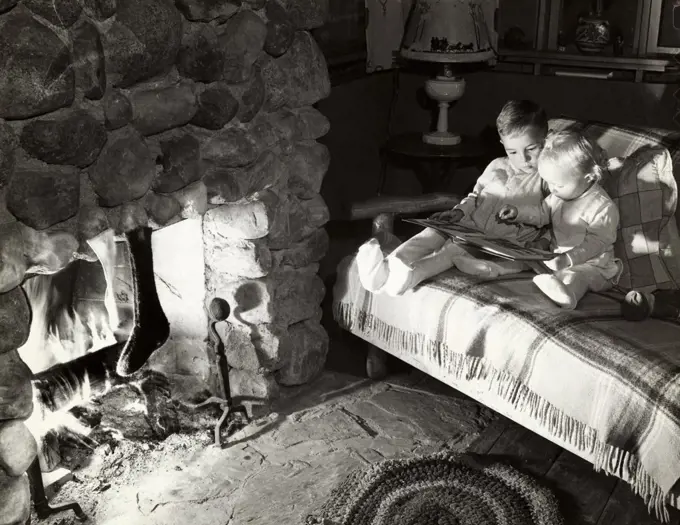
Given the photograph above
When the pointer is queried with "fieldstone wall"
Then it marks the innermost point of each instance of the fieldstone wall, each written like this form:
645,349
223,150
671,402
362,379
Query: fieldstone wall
117,114
18,449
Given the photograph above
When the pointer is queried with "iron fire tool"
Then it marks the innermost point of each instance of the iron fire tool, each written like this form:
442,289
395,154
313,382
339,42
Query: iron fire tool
219,311
42,507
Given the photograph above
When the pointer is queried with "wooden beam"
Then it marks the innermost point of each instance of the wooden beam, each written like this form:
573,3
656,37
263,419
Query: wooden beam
542,24
571,59
553,23
427,203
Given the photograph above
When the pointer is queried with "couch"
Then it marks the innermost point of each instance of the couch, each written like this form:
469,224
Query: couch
604,388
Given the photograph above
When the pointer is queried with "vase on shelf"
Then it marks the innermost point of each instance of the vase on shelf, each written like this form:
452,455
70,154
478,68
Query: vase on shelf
593,33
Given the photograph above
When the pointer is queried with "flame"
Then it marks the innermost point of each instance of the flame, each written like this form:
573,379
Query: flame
63,335
60,333
42,420
66,335
104,246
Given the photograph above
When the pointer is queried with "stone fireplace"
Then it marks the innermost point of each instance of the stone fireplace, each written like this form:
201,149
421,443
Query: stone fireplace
193,121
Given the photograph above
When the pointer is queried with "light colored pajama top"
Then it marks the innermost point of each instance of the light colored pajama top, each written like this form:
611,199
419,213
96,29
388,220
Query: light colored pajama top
501,184
583,228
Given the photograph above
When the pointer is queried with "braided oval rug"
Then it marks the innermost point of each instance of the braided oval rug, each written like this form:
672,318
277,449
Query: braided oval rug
445,488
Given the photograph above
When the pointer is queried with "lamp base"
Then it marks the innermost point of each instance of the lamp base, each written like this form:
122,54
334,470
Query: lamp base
441,138
444,89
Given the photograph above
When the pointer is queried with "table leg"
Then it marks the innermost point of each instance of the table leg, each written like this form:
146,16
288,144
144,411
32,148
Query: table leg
434,174
383,170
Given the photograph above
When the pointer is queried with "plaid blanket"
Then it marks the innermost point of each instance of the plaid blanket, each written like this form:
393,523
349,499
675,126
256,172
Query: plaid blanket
606,386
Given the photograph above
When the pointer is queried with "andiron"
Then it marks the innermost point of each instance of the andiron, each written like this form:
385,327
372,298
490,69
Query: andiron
42,507
233,417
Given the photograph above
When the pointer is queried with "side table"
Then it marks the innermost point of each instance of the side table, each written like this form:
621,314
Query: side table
433,164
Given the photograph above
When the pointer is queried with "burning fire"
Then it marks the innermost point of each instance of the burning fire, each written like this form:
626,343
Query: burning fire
43,420
64,335
59,334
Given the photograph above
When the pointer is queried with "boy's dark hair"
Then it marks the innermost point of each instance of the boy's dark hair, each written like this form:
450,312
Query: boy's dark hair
518,115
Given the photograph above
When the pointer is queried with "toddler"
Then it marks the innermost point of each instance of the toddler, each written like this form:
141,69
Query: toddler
522,127
583,219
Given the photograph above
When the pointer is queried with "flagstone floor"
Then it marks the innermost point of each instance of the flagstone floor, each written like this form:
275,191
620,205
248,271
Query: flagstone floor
282,466
285,465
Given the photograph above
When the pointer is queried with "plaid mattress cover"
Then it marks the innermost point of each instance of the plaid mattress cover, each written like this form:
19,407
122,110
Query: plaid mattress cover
603,384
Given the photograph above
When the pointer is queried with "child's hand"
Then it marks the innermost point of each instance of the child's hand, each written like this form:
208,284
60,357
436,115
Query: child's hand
507,213
560,262
453,215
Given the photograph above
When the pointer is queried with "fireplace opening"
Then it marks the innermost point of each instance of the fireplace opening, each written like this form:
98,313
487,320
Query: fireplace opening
85,320
82,319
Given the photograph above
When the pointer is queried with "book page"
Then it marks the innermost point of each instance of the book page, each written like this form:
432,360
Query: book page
492,245
449,228
511,250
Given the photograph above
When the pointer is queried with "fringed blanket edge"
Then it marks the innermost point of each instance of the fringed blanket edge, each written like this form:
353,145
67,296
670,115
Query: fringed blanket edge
612,460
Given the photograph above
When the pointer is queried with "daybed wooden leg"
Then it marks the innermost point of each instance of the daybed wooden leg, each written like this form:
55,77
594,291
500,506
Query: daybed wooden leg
376,360
376,363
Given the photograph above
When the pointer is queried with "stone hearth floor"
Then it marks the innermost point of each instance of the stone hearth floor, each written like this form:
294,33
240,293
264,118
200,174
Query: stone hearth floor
281,467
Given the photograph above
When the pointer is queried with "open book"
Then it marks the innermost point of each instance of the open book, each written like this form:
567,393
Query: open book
492,245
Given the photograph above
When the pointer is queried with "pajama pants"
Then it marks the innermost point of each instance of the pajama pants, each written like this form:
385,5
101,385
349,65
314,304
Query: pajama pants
586,277
428,254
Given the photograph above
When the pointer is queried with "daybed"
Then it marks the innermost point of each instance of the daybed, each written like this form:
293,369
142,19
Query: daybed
601,387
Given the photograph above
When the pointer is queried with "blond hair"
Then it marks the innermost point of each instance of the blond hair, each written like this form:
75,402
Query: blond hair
571,149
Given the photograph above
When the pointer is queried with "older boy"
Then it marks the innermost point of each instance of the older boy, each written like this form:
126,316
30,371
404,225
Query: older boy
522,126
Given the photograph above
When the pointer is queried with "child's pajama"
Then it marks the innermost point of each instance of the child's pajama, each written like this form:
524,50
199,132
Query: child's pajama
430,253
585,230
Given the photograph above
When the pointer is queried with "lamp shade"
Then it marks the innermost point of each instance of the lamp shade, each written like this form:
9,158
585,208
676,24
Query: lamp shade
449,31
